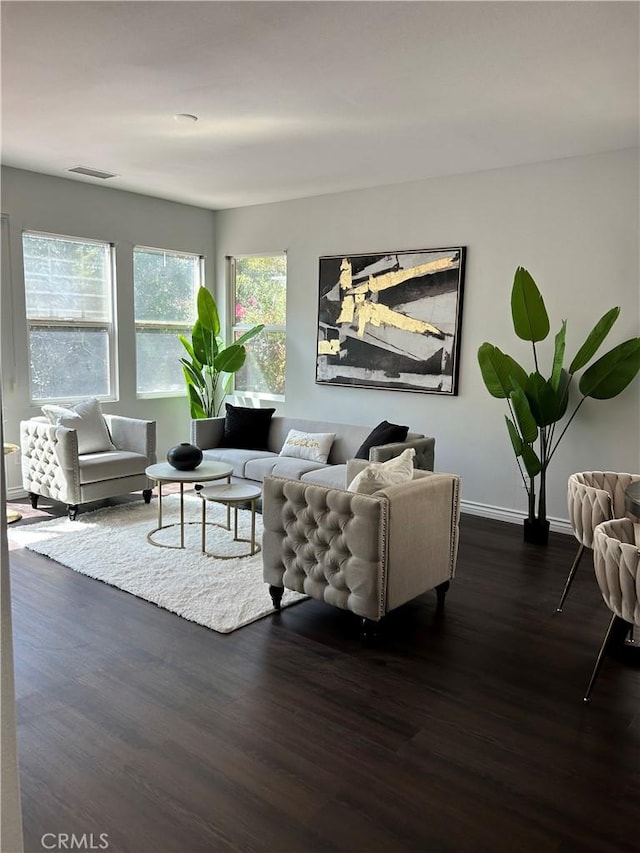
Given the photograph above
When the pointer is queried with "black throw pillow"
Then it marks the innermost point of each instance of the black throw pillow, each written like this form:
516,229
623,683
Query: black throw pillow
246,428
384,433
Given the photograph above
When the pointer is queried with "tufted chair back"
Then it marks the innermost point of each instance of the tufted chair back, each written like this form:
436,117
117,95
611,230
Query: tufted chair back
616,560
364,553
593,497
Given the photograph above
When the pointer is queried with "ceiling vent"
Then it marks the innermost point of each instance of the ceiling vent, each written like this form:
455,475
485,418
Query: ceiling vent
92,173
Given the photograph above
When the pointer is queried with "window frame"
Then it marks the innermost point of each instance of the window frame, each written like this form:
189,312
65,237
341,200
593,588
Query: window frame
236,394
167,325
110,325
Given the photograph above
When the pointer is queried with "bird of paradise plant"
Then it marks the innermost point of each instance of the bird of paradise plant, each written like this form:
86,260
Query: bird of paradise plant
209,370
538,406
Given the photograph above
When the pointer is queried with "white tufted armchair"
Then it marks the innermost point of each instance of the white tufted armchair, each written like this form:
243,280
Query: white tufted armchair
593,497
53,468
616,560
364,553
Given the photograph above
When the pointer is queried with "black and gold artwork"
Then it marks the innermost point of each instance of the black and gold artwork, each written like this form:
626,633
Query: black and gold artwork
391,320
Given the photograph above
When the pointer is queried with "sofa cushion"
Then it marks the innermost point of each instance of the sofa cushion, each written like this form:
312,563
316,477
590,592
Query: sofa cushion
377,475
246,428
383,433
280,466
314,446
330,476
236,457
110,465
87,420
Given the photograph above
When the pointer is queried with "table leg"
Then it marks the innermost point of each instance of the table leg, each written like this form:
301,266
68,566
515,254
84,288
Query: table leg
235,521
204,524
253,527
181,514
159,484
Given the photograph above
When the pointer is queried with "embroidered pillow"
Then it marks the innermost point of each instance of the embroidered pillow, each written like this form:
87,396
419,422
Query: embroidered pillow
312,446
377,475
246,428
87,420
384,433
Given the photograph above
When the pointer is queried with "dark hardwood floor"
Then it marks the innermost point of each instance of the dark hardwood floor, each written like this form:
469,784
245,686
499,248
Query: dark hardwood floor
460,732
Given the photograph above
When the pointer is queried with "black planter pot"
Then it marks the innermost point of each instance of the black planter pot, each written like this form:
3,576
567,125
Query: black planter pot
536,532
184,456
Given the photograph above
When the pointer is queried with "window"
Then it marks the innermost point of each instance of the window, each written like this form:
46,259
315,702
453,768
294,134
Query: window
259,295
165,285
69,305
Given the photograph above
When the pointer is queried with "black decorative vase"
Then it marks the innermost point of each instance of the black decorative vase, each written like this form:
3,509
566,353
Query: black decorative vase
184,456
536,532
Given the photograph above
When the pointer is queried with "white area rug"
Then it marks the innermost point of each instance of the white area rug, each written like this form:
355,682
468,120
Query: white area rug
111,545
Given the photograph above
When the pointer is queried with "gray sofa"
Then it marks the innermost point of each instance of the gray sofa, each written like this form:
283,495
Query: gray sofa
255,465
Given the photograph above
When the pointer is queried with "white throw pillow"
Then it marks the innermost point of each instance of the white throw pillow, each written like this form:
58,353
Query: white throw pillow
86,418
313,446
377,475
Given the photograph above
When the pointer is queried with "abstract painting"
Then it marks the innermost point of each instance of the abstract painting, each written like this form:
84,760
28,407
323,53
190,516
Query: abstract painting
391,320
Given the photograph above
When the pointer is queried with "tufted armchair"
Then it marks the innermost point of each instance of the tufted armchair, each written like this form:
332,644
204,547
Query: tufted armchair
53,467
364,553
616,560
593,497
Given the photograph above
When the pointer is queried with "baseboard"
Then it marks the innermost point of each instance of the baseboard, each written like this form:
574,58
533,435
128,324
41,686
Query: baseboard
499,513
16,493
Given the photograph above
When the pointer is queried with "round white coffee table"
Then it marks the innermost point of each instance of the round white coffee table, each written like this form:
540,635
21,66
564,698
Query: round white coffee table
231,495
162,472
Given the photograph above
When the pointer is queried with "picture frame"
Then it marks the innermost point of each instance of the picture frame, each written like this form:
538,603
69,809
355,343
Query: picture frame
391,320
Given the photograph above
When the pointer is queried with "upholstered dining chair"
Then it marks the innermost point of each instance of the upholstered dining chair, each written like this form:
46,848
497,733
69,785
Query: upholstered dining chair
86,458
616,560
593,497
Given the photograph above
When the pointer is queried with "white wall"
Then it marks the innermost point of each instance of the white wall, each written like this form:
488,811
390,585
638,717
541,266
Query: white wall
573,223
39,202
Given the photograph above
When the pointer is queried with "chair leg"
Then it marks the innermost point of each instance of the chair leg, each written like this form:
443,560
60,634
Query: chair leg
72,511
276,593
600,658
570,578
441,591
146,494
34,500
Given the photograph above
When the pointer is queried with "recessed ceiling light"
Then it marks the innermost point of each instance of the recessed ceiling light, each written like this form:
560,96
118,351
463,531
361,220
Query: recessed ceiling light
185,117
92,173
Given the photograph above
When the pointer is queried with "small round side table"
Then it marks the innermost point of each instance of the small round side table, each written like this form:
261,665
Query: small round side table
12,514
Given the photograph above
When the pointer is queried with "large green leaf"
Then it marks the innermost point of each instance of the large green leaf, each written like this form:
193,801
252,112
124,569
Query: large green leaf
514,435
612,372
531,461
192,375
526,421
208,312
558,355
499,371
188,346
230,359
563,393
205,344
544,402
594,339
250,334
530,319
196,404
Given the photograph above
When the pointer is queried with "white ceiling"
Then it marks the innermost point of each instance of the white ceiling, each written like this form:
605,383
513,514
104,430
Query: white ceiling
303,98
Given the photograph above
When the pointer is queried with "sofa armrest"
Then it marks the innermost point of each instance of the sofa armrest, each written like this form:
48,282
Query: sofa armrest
207,432
424,447
424,517
133,434
50,463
